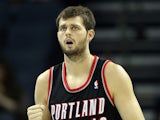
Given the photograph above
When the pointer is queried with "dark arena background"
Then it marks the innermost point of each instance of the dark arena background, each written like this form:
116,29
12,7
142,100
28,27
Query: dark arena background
127,32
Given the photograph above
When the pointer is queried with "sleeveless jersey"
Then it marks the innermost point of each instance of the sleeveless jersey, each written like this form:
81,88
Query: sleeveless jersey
91,101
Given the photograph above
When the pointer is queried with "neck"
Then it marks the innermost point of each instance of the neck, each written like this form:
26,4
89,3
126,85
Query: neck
78,64
77,58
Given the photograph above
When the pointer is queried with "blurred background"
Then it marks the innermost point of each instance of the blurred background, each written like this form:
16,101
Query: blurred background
127,32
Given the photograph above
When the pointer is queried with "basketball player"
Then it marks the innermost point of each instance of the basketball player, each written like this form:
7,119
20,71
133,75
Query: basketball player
84,86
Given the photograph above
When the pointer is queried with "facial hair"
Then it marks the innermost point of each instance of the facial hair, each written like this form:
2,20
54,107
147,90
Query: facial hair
77,51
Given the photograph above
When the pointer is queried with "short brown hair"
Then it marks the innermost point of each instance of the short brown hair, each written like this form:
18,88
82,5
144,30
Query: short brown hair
84,12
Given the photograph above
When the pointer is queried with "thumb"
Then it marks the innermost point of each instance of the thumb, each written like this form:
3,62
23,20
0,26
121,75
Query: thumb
42,107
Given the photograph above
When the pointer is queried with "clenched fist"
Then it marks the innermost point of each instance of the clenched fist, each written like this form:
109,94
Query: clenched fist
36,112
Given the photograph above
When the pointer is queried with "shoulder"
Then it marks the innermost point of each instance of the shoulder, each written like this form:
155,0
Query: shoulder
43,77
117,78
41,87
115,70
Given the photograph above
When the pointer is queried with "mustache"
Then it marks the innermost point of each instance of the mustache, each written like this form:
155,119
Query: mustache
69,39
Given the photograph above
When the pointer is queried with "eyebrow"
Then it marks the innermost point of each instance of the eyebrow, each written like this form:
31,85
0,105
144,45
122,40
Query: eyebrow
71,25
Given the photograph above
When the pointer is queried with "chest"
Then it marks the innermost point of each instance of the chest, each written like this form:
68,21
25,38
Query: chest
75,82
80,97
77,89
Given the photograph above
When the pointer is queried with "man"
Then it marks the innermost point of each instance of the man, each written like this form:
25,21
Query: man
84,86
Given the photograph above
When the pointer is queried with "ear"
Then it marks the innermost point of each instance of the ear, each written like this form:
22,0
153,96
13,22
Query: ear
91,34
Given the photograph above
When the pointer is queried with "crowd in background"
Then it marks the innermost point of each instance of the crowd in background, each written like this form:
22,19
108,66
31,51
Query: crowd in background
14,96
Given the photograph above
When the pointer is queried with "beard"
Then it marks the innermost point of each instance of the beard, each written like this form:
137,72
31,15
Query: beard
77,51
74,52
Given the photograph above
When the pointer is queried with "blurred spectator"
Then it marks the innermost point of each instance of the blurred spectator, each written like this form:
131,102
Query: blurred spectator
11,105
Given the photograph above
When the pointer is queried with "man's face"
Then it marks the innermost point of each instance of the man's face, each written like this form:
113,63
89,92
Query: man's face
72,35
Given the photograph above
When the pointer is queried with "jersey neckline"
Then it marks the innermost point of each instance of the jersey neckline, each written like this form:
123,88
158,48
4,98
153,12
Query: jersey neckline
83,86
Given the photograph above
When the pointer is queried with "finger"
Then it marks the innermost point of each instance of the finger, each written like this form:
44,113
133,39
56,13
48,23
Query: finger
33,111
42,107
36,107
35,116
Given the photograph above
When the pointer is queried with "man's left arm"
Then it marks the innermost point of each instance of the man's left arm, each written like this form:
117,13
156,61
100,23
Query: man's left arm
123,94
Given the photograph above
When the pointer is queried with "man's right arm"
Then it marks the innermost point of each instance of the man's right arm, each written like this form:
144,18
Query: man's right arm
40,110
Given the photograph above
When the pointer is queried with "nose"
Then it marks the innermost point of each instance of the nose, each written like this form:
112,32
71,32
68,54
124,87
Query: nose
68,31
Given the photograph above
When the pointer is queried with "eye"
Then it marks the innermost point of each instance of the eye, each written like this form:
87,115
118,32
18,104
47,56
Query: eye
62,28
75,28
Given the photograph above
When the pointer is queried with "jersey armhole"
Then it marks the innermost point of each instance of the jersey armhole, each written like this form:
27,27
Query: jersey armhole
104,81
50,81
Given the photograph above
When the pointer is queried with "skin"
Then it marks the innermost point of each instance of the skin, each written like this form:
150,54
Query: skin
77,55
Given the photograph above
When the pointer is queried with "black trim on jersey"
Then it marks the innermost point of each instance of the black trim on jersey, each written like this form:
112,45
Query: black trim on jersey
60,99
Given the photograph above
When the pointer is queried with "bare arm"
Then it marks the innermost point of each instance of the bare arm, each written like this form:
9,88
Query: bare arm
40,110
122,92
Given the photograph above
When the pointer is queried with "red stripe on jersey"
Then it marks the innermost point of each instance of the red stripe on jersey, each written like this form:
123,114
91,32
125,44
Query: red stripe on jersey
105,83
87,81
49,84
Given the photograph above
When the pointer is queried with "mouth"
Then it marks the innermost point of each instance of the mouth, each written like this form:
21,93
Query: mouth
69,42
